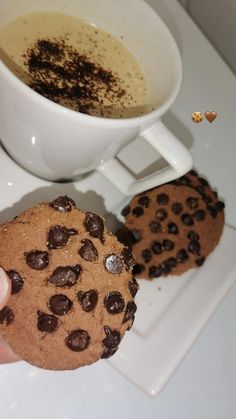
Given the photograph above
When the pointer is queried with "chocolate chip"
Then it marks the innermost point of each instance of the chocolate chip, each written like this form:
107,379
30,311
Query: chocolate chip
194,247
47,322
133,287
6,316
162,199
114,264
112,338
187,219
192,203
58,236
176,182
125,211
108,352
88,251
220,206
127,257
203,181
193,173
114,302
200,189
144,201
138,269
199,215
182,256
146,255
207,199
125,236
166,269
168,245
212,211
170,262
200,261
215,194
192,235
177,208
60,304
37,259
137,235
138,211
156,248
130,311
155,227
88,300
17,281
65,276
184,180
155,271
94,225
172,228
78,340
63,204
161,214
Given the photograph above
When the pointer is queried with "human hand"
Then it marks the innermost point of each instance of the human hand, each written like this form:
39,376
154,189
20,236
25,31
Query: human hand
6,354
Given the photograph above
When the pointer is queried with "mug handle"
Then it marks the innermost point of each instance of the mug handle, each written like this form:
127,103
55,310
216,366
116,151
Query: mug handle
168,146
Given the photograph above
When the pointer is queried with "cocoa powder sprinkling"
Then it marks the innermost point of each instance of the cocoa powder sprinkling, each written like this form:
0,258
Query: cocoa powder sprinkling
60,73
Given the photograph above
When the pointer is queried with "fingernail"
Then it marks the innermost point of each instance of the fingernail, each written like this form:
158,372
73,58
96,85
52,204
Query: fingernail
5,288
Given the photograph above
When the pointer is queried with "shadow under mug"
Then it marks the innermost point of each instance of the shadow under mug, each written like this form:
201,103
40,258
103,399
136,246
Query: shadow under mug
56,143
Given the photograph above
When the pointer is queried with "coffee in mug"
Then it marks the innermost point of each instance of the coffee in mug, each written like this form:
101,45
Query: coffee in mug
75,64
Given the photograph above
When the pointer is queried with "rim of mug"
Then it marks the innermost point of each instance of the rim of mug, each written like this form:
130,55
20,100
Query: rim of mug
102,121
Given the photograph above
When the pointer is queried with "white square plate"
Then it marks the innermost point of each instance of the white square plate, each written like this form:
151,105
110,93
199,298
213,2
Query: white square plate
171,313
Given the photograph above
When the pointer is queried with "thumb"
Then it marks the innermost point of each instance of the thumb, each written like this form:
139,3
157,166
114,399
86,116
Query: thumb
5,288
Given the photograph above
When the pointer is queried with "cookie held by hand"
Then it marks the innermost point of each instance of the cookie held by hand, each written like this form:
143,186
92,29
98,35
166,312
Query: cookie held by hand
174,227
72,286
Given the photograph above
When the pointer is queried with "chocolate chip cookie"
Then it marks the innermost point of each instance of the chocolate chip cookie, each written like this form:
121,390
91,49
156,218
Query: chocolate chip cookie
72,286
174,227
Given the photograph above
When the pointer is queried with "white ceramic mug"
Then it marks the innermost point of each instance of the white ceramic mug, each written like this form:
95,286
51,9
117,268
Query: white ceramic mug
56,143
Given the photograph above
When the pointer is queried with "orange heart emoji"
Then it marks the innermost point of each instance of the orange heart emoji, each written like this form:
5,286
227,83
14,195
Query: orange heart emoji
210,116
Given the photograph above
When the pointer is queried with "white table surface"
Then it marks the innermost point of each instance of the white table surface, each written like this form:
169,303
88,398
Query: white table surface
204,385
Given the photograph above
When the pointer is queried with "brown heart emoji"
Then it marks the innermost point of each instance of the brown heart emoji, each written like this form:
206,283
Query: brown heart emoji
210,116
